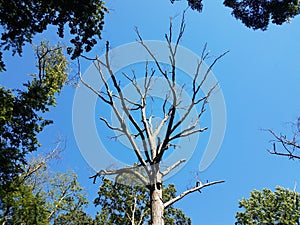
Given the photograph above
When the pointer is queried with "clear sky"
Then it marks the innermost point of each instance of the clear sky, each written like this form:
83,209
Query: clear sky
259,78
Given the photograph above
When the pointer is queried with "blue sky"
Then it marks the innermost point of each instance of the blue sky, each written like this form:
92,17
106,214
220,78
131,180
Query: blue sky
260,81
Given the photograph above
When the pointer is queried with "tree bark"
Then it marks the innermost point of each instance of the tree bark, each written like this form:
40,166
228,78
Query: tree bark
157,205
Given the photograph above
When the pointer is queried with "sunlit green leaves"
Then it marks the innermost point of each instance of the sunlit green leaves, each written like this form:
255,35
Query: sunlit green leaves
21,206
40,197
21,110
268,207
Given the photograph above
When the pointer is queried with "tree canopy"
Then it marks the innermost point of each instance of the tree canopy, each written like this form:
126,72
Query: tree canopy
21,110
21,20
257,14
39,196
268,207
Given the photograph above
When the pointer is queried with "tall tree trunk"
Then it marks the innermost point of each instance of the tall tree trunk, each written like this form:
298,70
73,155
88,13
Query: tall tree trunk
157,205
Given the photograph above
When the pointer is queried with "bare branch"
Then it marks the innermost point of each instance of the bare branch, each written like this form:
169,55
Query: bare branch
289,155
41,162
169,169
110,126
126,111
211,66
186,133
140,40
197,188
127,170
93,90
290,146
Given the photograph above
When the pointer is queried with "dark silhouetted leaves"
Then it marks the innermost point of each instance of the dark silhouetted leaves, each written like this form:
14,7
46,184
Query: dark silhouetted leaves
22,19
194,4
257,14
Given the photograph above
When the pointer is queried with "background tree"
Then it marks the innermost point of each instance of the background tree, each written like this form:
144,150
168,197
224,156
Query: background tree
20,205
155,141
41,196
21,110
127,202
21,20
268,207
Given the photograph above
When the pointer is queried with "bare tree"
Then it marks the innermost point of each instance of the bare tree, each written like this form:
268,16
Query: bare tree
136,124
289,146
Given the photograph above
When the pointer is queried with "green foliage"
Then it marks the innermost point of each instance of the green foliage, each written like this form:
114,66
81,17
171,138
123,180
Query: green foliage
20,204
20,113
74,218
40,197
65,198
268,207
257,14
123,203
22,19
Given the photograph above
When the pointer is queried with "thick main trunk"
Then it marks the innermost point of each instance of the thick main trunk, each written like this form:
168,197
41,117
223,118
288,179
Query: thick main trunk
157,205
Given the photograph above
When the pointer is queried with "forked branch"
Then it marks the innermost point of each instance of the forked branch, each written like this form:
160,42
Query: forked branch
290,146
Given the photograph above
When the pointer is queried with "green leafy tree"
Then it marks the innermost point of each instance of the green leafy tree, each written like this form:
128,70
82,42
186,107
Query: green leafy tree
22,19
21,206
128,203
21,110
259,13
66,200
268,207
39,197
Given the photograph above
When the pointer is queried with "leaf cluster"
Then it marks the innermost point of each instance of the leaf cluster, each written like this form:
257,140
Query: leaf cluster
20,204
194,4
40,197
22,19
268,207
257,14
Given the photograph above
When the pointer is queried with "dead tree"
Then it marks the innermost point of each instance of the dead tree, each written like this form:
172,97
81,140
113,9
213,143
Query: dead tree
289,146
153,148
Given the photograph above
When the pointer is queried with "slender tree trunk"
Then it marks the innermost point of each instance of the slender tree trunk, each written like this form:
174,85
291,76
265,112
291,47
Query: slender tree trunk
157,205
